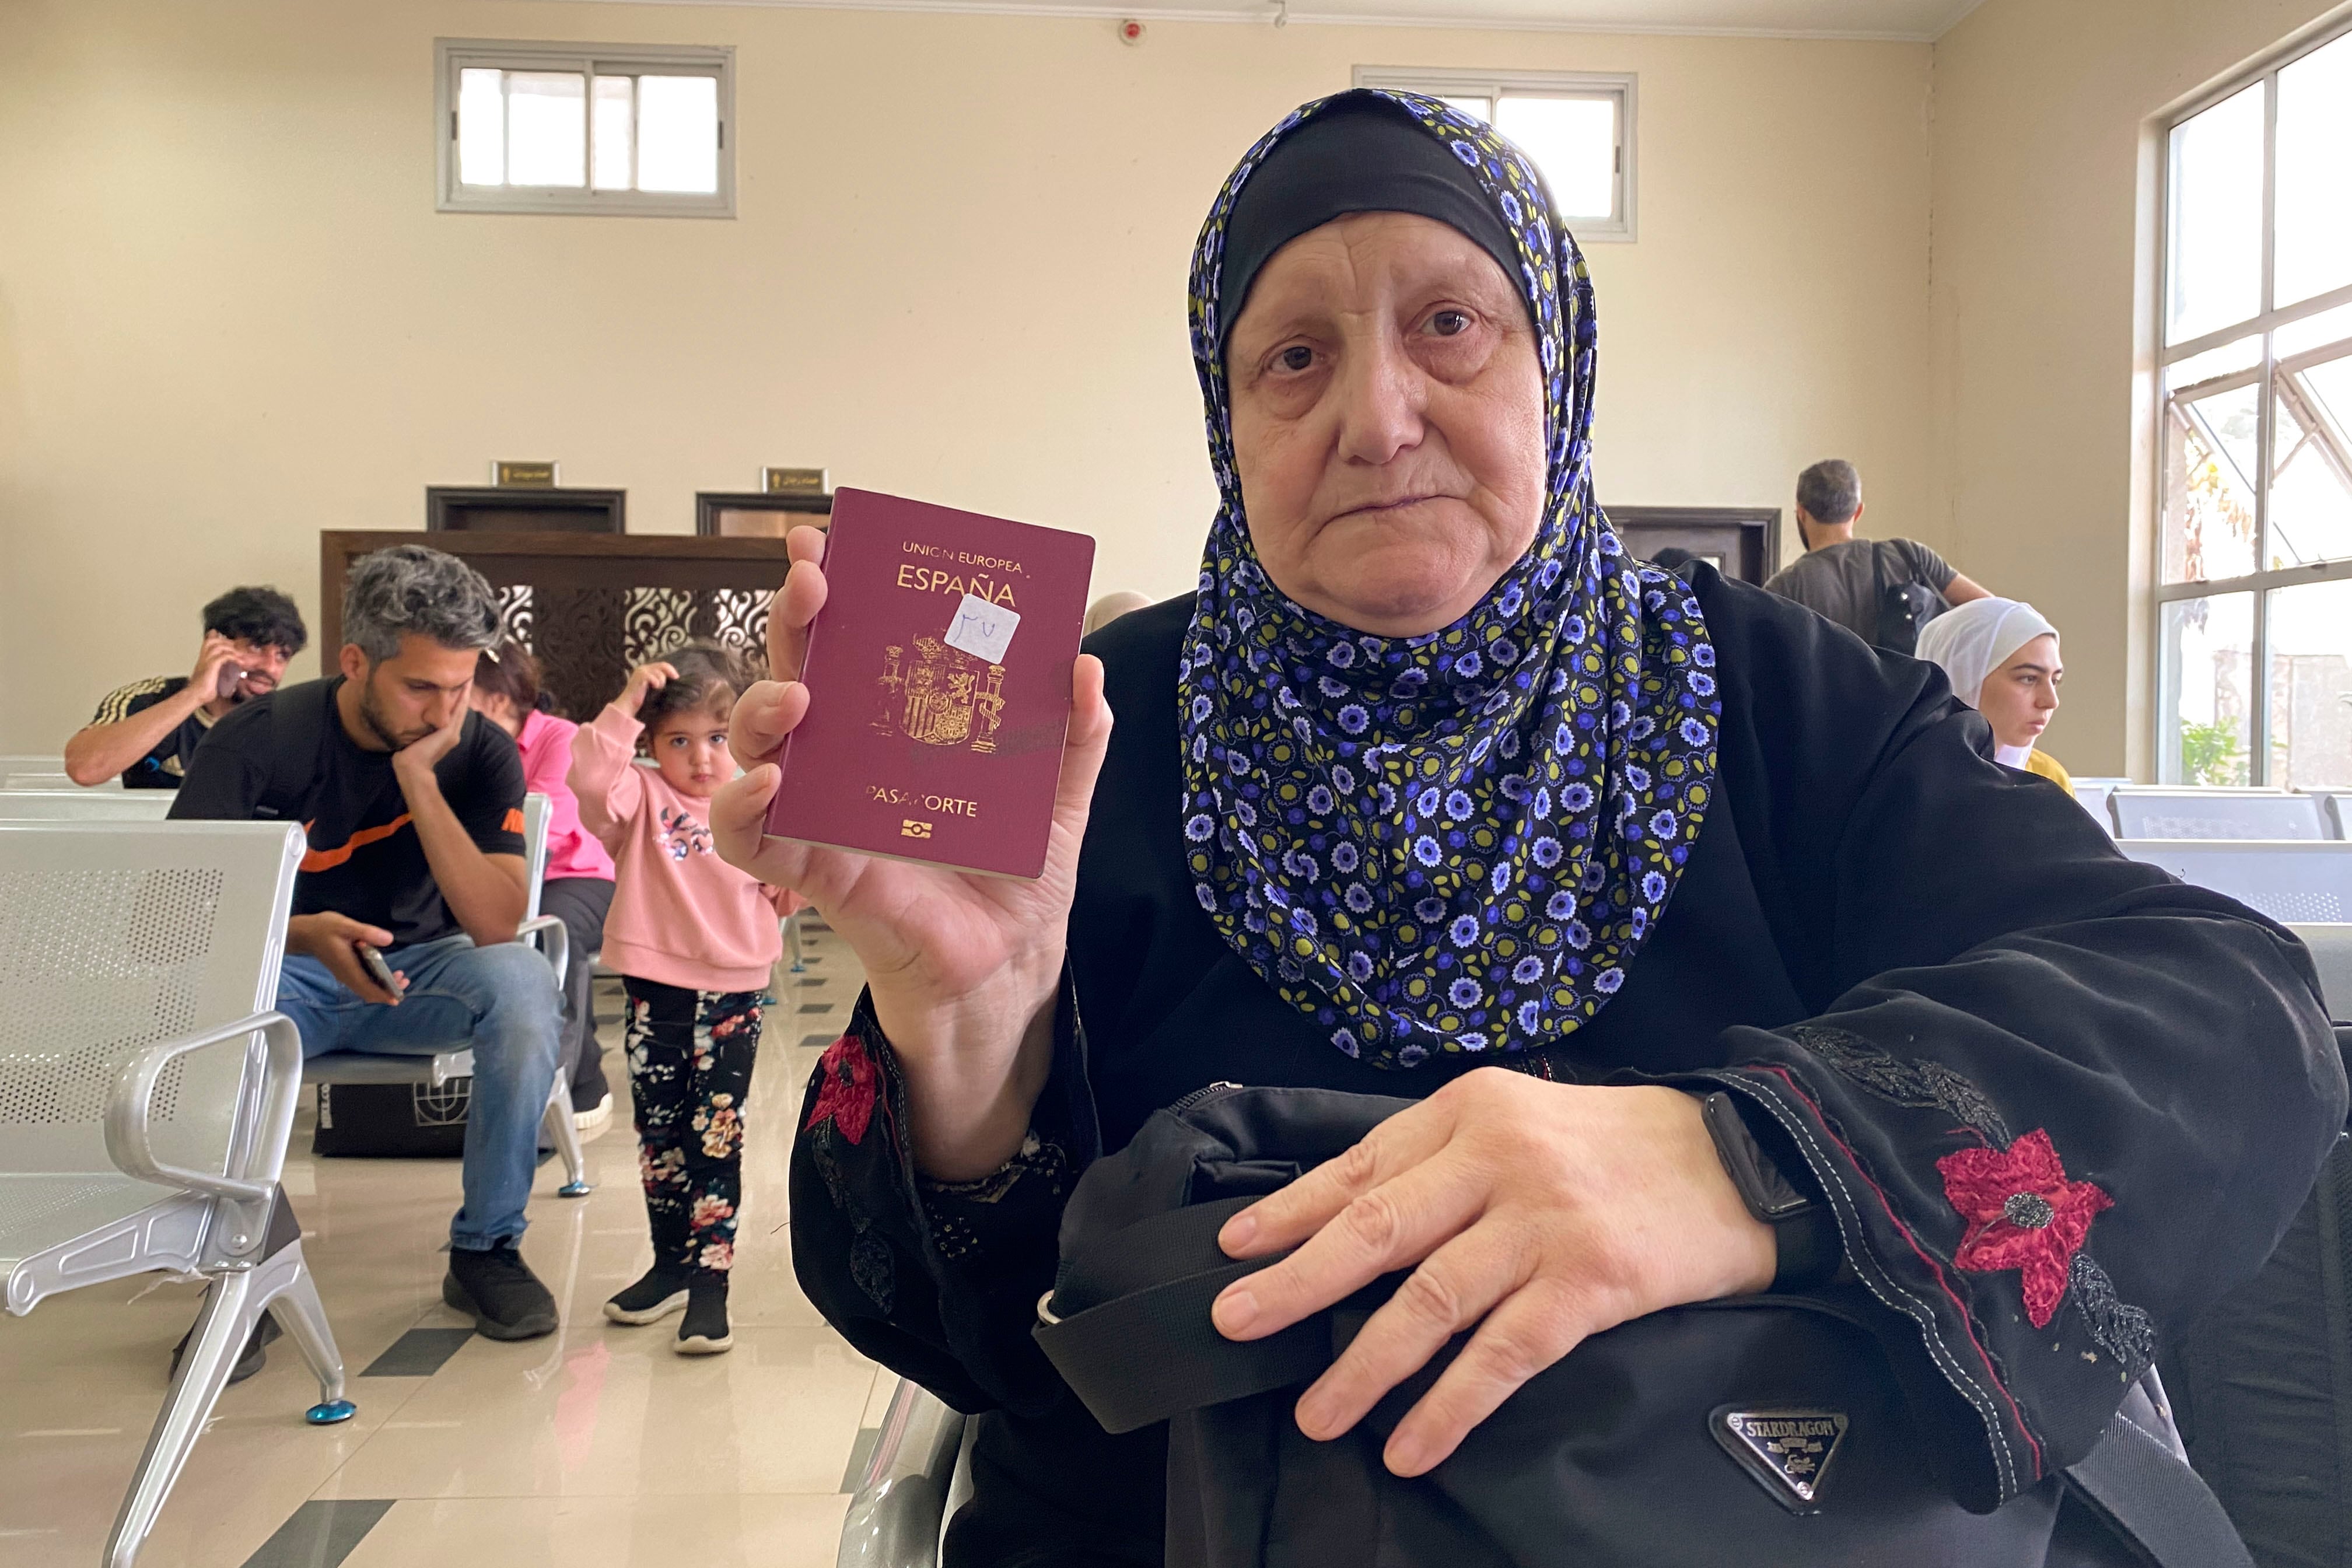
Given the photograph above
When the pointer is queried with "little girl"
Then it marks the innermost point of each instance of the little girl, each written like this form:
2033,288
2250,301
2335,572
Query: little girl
694,940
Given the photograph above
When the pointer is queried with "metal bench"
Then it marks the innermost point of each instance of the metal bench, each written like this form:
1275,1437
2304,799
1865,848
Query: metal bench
84,805
437,1069
2287,881
2145,812
918,1474
149,1092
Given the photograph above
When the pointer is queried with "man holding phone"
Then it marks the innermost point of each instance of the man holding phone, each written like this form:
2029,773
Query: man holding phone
401,940
147,731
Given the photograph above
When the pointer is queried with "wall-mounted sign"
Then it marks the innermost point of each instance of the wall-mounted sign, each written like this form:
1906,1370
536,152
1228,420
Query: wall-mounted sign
793,481
525,476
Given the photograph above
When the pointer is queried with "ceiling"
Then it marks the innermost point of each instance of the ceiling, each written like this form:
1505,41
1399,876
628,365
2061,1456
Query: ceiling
1914,20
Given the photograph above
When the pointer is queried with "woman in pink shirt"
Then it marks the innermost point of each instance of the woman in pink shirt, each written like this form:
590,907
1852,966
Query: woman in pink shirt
694,940
578,887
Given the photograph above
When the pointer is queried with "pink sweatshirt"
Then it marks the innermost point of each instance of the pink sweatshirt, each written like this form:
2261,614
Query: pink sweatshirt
681,916
546,746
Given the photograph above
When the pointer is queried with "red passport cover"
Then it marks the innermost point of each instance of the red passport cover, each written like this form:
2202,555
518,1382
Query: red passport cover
936,719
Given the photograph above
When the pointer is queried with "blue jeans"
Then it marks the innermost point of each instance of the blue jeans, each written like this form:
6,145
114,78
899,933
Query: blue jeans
499,1000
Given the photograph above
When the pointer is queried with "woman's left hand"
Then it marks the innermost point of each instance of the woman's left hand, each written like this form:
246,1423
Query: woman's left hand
1549,1211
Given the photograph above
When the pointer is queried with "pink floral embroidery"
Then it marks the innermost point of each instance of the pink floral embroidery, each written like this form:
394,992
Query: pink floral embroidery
2023,1214
850,1084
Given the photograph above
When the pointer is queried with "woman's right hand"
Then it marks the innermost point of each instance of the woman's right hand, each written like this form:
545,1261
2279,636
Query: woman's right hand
963,970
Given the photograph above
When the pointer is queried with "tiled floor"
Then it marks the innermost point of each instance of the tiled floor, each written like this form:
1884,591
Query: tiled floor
596,1448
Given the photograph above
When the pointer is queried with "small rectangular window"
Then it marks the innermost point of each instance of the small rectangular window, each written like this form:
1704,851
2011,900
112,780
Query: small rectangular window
638,130
1577,126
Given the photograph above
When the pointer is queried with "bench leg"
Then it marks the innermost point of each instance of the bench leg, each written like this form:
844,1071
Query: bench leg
303,1317
229,1312
565,1132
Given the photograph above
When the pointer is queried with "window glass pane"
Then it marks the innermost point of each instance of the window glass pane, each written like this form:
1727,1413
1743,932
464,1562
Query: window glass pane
481,128
2311,465
2312,331
678,133
2315,174
2216,218
2244,355
1574,142
2310,635
2209,486
2208,664
547,127
1484,108
614,108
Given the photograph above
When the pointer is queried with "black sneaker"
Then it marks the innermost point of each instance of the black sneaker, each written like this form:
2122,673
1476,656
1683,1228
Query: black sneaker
249,1360
661,1292
499,1289
705,1330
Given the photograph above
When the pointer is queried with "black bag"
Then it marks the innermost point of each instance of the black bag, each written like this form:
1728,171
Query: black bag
1762,1430
393,1120
1902,607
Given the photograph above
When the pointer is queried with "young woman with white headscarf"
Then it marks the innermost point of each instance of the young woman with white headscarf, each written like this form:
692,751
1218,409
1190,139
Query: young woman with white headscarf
2002,657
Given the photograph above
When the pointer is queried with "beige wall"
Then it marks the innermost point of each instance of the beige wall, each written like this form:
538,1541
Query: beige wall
229,315
2044,214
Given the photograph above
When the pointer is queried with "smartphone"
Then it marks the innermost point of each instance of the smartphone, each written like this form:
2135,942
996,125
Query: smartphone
229,677
379,968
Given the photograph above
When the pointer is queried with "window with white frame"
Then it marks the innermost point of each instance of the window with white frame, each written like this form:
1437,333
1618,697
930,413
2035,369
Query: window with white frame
1577,126
2254,597
639,129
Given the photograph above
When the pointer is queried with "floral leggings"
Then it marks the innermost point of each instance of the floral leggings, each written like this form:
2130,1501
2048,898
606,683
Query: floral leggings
690,1054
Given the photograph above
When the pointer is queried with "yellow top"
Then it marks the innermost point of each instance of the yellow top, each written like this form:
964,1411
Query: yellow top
2040,761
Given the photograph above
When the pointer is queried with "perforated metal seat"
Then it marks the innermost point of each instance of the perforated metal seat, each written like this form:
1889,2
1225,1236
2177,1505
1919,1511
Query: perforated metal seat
2289,882
554,940
2144,812
146,1095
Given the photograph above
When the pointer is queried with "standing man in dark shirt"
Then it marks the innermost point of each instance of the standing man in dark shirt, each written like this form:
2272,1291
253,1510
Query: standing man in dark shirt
1844,578
413,804
147,731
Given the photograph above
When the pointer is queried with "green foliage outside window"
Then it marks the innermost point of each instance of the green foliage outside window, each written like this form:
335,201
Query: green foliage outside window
2212,754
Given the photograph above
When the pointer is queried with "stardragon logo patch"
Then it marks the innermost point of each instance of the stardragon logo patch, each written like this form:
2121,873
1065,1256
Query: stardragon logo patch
1789,1452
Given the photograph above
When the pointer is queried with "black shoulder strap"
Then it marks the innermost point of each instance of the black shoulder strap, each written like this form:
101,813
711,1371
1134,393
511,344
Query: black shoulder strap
2150,1496
298,723
1128,1329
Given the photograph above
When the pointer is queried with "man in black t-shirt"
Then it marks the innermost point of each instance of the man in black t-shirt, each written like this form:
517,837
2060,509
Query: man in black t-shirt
147,731
413,806
1844,578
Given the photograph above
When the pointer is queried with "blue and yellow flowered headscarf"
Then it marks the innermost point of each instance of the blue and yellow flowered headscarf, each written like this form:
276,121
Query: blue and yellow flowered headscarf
1457,841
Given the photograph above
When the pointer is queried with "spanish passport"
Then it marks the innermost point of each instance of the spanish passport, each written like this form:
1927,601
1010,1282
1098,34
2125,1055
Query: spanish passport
939,682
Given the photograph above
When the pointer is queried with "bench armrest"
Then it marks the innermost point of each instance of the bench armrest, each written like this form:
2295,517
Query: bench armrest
257,1153
554,941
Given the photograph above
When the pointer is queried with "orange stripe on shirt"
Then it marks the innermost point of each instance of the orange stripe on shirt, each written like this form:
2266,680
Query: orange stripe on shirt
513,823
327,859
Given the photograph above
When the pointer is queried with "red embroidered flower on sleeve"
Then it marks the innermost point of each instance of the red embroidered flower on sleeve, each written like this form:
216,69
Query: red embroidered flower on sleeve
847,1094
2023,1214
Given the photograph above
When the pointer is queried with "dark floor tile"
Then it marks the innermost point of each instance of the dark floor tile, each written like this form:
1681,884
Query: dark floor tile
859,1452
320,1533
419,1353
818,1039
816,1007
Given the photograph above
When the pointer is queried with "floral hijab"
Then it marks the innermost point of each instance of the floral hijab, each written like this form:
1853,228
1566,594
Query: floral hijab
1457,841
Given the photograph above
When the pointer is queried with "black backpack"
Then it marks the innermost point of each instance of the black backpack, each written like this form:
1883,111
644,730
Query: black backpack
1764,1429
1902,607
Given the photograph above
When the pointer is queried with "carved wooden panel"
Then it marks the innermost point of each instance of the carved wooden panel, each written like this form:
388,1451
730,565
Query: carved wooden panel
593,606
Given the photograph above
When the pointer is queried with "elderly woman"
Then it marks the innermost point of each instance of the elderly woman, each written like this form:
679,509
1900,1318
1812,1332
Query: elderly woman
1430,791
2001,658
